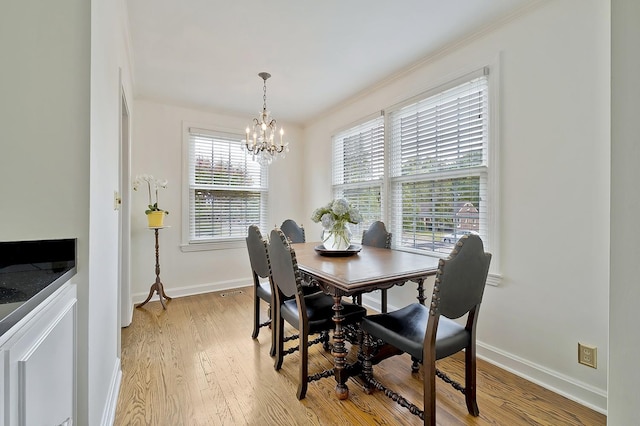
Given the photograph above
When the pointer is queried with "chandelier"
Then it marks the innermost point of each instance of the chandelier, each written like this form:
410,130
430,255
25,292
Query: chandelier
260,140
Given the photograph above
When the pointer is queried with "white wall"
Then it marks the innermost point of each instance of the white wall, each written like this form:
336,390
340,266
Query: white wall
157,150
554,187
44,128
109,61
624,340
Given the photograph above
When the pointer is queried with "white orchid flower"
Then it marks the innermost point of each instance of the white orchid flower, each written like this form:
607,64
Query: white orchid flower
151,182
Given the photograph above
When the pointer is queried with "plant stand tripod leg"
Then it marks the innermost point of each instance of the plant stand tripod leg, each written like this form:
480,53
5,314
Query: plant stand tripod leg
151,290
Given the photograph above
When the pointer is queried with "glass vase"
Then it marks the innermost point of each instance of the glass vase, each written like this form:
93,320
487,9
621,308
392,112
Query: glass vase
336,238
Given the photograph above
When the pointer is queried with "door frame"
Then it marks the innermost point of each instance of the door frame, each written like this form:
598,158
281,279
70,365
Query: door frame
124,220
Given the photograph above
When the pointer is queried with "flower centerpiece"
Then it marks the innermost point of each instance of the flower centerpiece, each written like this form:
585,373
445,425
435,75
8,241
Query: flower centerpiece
334,218
155,214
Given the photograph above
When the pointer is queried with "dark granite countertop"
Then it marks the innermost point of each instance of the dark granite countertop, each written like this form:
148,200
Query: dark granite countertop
30,271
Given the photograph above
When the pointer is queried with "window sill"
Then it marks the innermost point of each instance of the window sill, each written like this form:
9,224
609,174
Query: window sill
214,245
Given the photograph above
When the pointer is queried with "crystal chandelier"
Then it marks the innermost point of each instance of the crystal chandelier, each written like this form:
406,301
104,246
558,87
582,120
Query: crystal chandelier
260,140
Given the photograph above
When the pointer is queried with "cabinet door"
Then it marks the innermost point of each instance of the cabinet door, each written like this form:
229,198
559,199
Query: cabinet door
45,376
40,364
4,395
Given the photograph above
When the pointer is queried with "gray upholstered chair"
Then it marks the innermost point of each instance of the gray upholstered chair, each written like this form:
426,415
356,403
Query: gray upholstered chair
377,236
262,286
308,313
293,231
430,333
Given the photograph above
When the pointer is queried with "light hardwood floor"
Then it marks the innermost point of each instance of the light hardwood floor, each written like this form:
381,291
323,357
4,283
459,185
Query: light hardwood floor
196,364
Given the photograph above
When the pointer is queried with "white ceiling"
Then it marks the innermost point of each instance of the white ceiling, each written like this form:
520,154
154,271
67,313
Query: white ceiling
208,53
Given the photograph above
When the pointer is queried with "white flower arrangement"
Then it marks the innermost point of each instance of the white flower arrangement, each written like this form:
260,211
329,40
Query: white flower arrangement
152,184
334,217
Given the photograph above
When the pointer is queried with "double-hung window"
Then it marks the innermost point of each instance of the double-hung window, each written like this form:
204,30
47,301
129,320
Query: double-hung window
227,190
438,171
358,170
423,167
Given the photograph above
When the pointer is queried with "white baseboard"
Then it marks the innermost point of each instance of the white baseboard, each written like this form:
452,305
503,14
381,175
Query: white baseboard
582,393
195,289
109,412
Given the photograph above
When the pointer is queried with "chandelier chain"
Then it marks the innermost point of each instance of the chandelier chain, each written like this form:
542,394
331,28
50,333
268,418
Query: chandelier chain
264,96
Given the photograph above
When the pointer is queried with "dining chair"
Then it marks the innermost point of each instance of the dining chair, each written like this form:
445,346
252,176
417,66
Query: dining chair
430,333
308,313
377,236
293,231
262,286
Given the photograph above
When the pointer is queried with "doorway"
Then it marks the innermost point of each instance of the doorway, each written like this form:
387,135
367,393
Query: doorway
124,221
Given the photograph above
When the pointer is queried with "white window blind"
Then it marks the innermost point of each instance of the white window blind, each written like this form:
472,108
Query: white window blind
358,170
438,167
227,190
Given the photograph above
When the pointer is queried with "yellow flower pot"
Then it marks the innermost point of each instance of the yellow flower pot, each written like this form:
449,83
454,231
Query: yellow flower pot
156,219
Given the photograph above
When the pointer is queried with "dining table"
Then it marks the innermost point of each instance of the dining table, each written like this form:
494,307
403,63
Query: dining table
355,271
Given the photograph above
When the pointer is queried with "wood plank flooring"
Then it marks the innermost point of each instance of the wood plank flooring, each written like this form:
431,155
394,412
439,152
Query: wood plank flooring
196,364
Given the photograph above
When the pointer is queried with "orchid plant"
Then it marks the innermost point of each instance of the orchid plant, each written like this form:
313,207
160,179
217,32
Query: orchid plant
152,187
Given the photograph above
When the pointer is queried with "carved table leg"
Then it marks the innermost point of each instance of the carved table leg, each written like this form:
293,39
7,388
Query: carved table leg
415,365
339,351
421,297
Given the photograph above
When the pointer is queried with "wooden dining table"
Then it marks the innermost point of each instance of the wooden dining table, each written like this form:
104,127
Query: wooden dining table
353,274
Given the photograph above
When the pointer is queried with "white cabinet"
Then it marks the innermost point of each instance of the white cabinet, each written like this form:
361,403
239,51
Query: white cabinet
39,364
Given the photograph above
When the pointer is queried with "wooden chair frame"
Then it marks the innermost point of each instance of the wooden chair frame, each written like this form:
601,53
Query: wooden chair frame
458,290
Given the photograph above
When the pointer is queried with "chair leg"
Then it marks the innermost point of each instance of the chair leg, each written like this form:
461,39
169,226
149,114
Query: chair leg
325,341
470,381
383,302
304,363
272,312
415,365
256,315
429,369
279,331
367,366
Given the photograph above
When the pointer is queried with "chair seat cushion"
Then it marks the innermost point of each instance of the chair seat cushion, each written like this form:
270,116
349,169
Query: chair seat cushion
406,327
320,312
263,291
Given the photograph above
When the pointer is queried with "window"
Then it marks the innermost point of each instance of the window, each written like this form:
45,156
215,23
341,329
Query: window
439,166
358,170
227,190
423,167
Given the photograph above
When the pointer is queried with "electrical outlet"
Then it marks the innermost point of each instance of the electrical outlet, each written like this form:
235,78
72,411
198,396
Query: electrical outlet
588,355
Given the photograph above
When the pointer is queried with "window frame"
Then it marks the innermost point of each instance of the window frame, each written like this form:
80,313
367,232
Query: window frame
219,243
338,188
488,171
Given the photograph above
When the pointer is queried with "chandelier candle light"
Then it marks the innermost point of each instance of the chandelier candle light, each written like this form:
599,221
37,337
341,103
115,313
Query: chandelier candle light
260,142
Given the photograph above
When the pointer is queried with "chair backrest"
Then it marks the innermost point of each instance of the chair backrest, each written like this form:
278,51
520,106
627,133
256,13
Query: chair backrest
284,266
294,233
258,255
376,236
461,278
